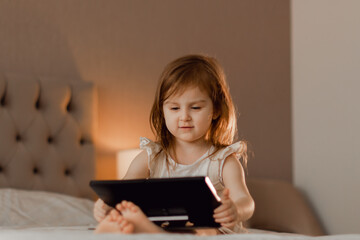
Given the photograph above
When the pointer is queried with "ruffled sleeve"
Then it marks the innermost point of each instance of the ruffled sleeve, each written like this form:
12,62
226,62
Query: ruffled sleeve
152,148
216,168
236,148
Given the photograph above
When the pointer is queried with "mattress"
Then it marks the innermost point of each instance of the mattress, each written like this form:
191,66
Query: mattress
44,215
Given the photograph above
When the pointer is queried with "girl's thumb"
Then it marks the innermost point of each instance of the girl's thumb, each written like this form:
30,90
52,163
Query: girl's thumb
226,194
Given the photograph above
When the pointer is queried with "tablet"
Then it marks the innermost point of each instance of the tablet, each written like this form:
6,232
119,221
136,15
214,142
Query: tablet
177,203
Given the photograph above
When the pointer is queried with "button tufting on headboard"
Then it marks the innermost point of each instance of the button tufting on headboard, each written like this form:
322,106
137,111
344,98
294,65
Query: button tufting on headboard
82,141
68,107
42,121
50,140
67,172
37,104
35,170
18,138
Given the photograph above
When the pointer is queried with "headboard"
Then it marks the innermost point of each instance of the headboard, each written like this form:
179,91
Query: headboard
281,207
47,134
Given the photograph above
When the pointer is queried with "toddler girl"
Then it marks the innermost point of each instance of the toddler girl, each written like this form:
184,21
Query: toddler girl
194,121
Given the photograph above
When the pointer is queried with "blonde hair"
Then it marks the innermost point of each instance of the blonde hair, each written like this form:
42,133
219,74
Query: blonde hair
207,74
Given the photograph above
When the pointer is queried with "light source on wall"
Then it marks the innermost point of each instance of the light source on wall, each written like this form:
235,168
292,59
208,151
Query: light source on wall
123,160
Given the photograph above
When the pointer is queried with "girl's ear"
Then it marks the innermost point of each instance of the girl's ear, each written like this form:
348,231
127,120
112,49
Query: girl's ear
216,114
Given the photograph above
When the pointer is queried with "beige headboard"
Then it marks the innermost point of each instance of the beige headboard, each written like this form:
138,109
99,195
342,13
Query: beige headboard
47,134
281,207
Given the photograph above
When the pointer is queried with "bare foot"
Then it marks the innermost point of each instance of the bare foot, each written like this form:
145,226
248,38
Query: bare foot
207,232
114,223
133,214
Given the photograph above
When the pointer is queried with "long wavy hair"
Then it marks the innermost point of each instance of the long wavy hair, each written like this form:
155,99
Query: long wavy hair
206,73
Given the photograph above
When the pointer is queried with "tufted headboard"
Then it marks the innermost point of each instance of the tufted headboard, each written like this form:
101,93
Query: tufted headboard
47,134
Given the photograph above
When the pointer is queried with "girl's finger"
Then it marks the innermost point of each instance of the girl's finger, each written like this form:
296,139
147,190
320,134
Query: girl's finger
225,205
226,194
224,213
225,219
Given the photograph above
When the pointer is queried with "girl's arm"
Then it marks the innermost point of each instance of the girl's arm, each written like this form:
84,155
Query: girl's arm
238,205
138,167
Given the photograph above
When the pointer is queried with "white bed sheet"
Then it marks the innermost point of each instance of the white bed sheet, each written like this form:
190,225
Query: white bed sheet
83,233
35,215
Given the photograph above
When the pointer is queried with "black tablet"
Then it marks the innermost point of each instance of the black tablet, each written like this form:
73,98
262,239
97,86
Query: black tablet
176,203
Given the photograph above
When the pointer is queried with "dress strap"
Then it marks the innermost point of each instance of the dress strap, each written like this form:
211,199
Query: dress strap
217,163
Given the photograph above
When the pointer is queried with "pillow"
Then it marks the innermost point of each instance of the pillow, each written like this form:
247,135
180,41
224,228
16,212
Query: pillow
23,208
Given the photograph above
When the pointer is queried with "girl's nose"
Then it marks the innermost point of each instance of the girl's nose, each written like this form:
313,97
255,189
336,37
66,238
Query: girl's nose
185,116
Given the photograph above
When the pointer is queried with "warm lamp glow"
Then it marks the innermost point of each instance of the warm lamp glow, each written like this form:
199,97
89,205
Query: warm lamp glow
123,160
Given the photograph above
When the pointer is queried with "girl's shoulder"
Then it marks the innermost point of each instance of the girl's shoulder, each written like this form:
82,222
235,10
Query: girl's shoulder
236,148
151,147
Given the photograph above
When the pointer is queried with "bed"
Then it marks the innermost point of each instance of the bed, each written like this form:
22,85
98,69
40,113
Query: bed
47,155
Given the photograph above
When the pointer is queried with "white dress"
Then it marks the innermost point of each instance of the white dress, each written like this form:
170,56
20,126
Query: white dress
207,165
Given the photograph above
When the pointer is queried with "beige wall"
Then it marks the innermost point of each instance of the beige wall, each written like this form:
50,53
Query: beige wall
326,84
122,46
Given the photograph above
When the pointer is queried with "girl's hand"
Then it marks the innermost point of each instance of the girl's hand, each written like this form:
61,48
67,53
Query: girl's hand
101,210
226,214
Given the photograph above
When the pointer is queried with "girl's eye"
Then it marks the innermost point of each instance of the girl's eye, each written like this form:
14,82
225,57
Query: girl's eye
174,108
196,108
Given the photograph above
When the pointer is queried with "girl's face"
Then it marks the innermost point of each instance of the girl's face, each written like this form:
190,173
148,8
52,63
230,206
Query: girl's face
188,115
